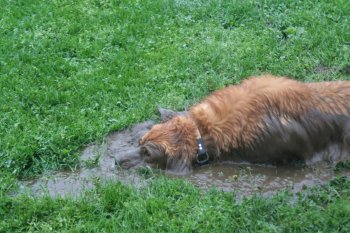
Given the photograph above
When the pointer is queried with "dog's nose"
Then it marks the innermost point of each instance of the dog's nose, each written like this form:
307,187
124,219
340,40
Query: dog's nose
123,163
129,159
118,162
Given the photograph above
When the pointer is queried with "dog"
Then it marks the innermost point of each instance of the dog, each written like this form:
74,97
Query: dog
265,119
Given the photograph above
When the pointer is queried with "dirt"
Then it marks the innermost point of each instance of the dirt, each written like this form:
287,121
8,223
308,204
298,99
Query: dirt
98,163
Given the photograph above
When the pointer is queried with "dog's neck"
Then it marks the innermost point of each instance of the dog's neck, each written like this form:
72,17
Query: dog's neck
198,134
198,131
202,156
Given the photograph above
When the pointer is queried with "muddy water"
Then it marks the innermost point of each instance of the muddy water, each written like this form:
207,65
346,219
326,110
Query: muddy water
98,164
247,179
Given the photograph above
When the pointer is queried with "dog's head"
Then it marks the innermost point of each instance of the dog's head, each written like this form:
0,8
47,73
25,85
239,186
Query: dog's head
170,146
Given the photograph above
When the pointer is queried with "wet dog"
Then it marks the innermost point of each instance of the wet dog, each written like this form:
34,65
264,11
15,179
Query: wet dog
264,119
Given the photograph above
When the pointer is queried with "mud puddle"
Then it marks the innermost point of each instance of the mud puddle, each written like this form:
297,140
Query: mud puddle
247,179
98,164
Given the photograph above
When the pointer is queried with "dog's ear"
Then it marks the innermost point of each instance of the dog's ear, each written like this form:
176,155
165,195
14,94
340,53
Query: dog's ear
167,114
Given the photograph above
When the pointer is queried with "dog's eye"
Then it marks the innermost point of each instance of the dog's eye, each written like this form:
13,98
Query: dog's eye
145,152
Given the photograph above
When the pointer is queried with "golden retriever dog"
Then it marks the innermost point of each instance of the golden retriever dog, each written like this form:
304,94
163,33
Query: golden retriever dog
264,119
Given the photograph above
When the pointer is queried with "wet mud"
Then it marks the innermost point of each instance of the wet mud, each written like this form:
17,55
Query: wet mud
97,163
249,179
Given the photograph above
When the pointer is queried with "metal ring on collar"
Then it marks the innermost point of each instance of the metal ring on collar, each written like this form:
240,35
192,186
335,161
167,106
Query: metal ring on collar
202,161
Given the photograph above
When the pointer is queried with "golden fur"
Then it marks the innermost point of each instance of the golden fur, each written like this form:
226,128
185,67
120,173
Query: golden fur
264,119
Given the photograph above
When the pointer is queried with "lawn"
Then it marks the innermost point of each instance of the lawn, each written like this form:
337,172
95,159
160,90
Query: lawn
73,71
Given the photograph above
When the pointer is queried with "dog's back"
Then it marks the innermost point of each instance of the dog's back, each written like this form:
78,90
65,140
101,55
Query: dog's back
276,119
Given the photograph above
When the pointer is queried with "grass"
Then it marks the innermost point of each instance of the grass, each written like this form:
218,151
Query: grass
176,206
72,71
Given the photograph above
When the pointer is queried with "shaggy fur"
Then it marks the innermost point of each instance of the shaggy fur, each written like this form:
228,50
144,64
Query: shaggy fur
264,119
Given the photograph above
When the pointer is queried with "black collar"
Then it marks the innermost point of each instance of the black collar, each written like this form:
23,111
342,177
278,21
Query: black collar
202,155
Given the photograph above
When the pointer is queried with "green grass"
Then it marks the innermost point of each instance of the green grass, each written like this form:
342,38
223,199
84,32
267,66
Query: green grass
176,206
72,71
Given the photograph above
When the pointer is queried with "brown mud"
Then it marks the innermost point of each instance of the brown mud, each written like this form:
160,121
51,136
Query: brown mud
97,162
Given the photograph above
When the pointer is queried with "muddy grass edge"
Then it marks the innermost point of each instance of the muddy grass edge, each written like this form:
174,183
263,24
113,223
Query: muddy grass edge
177,206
